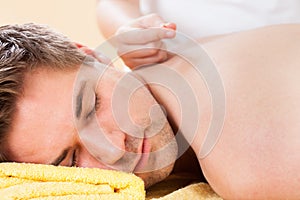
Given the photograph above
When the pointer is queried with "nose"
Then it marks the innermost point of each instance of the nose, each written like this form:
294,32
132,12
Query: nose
107,148
89,161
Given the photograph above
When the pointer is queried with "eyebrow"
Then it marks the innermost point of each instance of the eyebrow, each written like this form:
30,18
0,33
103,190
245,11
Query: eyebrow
61,157
79,100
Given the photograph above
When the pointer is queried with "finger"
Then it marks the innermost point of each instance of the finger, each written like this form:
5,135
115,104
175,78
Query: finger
153,20
169,25
144,36
140,53
141,50
147,21
78,45
138,62
101,57
86,50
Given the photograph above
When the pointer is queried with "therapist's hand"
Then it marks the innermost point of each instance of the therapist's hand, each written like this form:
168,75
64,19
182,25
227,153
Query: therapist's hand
139,42
100,57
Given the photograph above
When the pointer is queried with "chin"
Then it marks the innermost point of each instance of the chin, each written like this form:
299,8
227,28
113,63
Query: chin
150,178
162,157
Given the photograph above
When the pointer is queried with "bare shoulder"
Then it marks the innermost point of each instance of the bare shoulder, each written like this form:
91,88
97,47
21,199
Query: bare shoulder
257,153
260,52
270,38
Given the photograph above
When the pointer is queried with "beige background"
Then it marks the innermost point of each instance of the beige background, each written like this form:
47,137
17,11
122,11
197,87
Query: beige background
74,18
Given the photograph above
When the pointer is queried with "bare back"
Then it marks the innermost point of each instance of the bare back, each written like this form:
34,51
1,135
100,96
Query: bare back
257,155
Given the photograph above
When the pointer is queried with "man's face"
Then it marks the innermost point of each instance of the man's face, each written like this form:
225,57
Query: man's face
68,118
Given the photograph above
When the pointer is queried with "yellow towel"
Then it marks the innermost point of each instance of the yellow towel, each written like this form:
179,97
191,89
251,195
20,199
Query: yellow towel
36,181
199,191
181,186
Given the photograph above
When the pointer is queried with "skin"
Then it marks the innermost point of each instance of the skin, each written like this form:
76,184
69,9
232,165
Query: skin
259,145
125,16
139,42
121,12
45,126
256,156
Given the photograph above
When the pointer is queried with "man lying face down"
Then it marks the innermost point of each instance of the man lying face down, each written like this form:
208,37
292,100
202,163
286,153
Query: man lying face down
39,69
57,104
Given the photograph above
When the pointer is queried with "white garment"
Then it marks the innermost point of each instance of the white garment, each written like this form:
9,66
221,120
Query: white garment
199,18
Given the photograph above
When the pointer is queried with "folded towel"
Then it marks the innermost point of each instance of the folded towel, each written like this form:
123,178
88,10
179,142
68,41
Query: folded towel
181,186
37,181
199,191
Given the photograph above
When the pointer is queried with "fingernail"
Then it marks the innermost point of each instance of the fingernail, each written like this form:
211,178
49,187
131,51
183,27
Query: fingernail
169,25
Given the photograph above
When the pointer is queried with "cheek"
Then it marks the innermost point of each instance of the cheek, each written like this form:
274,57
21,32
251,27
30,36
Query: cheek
140,105
104,93
119,103
85,159
104,113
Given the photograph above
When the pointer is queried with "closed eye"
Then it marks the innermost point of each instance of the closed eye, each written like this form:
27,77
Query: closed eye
74,159
97,102
95,107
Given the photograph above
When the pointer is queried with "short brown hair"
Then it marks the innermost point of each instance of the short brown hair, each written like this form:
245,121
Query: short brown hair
24,48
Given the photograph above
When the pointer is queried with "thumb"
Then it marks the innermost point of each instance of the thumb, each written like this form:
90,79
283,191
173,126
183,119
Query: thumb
151,20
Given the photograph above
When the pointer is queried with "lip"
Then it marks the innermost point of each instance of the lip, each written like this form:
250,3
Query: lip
146,149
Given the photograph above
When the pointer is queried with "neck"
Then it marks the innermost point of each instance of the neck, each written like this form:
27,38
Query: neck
182,92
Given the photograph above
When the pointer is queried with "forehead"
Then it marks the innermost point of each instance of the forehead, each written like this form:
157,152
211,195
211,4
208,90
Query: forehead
44,111
46,93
